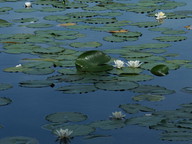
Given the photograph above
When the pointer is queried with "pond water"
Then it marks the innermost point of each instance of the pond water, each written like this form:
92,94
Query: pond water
25,116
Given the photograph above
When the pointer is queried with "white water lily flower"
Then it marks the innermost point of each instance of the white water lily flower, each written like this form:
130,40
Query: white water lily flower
160,15
118,115
134,64
19,65
118,63
28,4
63,133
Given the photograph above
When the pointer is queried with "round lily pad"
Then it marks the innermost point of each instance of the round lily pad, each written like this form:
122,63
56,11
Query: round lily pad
170,38
4,86
86,44
4,101
36,83
116,85
146,24
63,117
39,25
4,23
135,108
79,130
150,89
108,124
77,89
148,97
19,140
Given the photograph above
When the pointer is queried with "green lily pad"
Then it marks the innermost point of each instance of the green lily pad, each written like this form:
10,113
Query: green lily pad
77,89
36,83
148,97
24,20
116,85
82,14
79,130
147,46
119,39
154,90
56,17
66,78
4,23
19,140
5,9
4,101
146,121
176,136
94,61
149,66
100,20
187,89
24,10
135,108
63,117
4,86
38,71
108,124
49,50
174,32
134,77
146,24
160,70
170,38
86,44
50,9
39,25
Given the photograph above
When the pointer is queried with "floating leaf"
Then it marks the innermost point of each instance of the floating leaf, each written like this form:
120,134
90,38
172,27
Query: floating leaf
116,85
4,101
39,25
160,70
19,140
146,24
36,83
63,117
176,136
67,24
79,130
156,90
93,61
146,121
24,20
77,89
4,86
100,20
148,97
85,45
170,38
119,31
135,108
108,124
4,23
187,89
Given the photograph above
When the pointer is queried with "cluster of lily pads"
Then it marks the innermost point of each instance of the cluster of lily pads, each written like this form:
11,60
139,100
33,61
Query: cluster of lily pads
82,71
